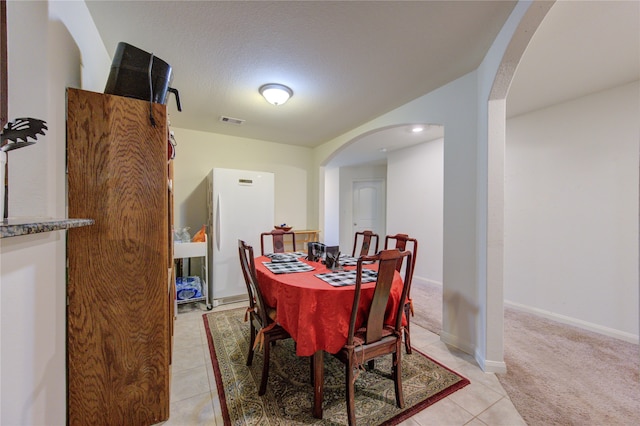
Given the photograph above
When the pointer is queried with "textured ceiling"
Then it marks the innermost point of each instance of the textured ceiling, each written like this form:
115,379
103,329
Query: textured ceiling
346,61
351,61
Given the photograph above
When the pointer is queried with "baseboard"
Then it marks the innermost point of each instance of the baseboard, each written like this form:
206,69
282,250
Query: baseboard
486,366
490,366
426,280
617,334
230,299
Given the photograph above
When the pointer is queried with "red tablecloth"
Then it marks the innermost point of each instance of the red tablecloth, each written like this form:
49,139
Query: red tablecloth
315,313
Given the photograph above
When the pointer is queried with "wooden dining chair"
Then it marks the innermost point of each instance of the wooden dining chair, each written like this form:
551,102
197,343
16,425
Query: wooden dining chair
278,240
264,328
363,241
401,243
374,338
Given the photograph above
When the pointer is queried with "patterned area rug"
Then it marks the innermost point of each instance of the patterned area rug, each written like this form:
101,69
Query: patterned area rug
289,397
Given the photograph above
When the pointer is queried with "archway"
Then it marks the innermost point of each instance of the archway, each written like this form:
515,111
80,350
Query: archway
413,188
472,110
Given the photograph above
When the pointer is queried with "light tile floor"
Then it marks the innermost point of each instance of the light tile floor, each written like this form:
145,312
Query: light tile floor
194,396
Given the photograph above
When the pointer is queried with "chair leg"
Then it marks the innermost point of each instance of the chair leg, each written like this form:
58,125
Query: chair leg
407,340
397,376
351,405
252,339
407,333
265,368
312,367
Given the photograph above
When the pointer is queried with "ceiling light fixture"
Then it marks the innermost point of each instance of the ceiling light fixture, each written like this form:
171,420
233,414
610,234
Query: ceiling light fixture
276,94
417,129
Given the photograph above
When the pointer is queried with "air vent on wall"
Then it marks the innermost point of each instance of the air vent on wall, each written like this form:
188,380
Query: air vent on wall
231,120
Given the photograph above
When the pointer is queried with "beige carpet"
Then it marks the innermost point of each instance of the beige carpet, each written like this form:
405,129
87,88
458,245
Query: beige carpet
557,374
427,304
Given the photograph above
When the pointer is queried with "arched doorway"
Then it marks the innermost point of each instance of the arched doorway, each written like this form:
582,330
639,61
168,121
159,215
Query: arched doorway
472,107
408,170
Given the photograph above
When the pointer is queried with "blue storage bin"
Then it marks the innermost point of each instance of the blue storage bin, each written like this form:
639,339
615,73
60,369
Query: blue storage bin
188,288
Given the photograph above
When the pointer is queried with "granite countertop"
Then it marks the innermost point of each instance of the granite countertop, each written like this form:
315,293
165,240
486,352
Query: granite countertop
15,226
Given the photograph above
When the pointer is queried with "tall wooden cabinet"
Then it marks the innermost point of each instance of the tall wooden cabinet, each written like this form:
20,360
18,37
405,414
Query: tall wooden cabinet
120,295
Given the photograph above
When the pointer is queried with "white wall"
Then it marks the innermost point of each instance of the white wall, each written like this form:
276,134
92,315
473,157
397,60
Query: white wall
199,152
331,217
43,59
571,211
415,204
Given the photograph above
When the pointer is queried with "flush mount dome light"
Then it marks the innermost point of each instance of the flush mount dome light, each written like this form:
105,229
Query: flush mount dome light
276,94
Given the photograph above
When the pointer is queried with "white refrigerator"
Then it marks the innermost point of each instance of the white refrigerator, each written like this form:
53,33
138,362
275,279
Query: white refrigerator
241,206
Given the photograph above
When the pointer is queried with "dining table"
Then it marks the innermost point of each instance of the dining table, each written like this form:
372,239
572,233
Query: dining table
313,303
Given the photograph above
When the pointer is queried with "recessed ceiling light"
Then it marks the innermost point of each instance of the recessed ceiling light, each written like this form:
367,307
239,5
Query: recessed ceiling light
417,129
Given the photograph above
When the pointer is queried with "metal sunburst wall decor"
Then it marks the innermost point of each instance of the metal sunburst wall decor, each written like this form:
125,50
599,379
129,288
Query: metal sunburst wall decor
16,134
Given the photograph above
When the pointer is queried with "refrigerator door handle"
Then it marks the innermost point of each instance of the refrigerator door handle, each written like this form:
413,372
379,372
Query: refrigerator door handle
218,223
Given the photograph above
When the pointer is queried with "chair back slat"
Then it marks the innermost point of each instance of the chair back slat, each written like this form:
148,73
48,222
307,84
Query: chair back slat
402,241
278,240
374,322
364,240
248,266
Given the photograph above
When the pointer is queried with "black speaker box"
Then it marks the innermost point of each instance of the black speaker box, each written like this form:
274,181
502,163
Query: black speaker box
129,75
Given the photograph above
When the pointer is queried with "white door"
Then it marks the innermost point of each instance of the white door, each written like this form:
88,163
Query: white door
368,206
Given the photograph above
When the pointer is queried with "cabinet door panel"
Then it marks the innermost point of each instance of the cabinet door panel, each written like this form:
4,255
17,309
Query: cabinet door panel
117,317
